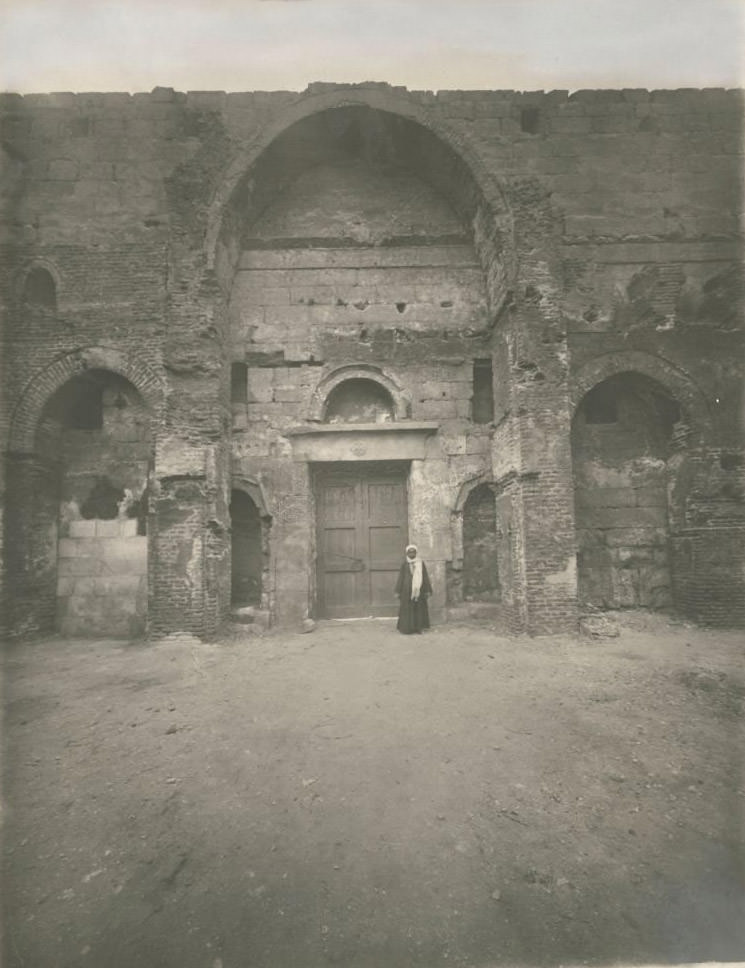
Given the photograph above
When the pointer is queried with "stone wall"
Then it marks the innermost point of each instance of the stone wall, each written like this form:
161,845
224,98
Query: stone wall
566,238
102,580
622,438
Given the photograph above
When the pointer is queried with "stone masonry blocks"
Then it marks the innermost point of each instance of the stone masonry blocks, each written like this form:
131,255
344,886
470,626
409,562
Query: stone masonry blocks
570,237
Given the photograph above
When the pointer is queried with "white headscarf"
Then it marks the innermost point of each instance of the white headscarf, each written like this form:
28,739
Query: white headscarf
415,565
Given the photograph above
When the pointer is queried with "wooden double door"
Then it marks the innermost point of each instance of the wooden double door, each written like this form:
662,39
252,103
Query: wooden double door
362,523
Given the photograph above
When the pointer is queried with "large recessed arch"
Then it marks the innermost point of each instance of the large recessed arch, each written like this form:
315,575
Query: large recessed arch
45,382
488,213
695,409
627,460
78,490
383,100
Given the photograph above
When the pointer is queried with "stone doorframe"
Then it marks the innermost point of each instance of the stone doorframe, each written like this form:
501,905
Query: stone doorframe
322,473
405,440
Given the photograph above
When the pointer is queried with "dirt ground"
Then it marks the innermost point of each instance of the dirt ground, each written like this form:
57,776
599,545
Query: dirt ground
358,798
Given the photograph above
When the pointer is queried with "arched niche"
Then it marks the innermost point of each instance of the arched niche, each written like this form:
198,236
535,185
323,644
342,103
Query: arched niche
384,387
39,289
623,436
77,510
696,412
246,551
359,400
481,580
388,135
43,383
250,524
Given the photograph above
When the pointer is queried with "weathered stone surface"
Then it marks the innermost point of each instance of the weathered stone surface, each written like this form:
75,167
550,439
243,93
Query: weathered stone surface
586,245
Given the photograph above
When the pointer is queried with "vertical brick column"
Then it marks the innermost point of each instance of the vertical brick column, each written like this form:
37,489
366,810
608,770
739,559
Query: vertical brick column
532,463
550,553
506,461
536,514
30,560
217,547
707,534
546,497
189,538
189,527
4,514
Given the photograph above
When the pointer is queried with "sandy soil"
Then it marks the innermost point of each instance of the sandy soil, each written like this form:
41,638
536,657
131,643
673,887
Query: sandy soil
358,798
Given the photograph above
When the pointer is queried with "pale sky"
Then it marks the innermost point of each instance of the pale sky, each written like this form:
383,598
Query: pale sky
249,45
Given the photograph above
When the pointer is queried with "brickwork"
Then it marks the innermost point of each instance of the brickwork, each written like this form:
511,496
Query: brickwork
38,390
368,232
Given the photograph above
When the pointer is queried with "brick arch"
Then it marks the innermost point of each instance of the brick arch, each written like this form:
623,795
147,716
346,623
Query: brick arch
401,400
382,99
45,382
694,405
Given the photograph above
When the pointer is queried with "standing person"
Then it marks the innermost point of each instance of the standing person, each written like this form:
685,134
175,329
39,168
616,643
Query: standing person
412,588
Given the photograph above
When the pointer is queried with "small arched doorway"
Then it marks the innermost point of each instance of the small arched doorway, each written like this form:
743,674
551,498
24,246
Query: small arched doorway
622,437
247,551
480,546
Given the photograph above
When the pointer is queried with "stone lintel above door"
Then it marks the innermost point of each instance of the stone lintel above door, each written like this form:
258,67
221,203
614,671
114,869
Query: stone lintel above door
399,440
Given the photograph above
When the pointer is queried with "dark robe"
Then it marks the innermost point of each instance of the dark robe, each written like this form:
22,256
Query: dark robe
412,616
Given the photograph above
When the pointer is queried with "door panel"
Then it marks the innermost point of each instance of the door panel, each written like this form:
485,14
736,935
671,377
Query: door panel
341,569
382,601
340,549
385,545
340,502
386,551
340,594
362,528
384,502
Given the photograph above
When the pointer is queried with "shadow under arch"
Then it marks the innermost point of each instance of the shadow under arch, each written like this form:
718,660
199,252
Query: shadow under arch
250,543
46,381
401,400
76,514
23,274
254,489
695,409
637,426
469,177
465,489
